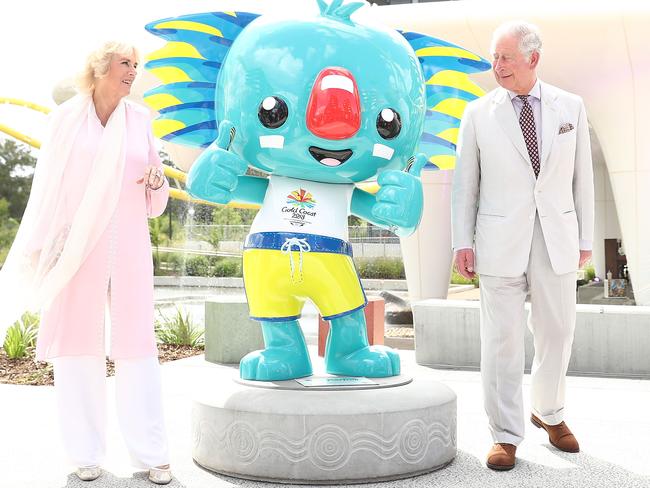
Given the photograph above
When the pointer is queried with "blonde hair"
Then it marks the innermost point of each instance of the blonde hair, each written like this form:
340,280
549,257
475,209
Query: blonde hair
99,62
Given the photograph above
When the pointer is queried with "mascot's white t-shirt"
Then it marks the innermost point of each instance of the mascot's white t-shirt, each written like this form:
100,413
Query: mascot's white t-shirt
303,206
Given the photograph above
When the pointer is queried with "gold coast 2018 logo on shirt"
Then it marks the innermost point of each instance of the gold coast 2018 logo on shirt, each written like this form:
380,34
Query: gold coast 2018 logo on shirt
301,199
300,207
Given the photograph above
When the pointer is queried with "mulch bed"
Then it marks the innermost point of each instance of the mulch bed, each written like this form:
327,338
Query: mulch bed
26,371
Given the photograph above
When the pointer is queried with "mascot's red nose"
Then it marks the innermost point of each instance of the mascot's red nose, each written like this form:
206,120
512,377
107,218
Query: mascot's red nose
334,109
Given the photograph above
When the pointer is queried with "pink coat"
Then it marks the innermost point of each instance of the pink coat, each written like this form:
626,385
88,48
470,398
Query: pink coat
120,267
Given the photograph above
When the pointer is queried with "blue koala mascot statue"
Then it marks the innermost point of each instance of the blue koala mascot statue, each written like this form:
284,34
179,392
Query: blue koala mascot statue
319,105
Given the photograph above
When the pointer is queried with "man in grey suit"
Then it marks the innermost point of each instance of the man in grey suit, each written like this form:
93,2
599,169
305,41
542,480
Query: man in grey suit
522,212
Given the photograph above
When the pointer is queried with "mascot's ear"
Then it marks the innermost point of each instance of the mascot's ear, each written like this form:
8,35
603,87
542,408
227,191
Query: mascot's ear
448,89
188,65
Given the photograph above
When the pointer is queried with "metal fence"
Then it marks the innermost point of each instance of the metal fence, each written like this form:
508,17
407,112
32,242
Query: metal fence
367,241
222,232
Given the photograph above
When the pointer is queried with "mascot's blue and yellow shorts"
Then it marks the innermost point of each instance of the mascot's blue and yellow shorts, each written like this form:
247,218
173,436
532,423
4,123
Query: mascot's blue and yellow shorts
282,270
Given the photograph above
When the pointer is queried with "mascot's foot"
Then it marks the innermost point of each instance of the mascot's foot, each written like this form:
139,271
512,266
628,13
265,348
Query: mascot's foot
369,361
275,364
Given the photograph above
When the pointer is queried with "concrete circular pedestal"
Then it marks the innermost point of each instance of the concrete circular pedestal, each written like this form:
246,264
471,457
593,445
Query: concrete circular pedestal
289,433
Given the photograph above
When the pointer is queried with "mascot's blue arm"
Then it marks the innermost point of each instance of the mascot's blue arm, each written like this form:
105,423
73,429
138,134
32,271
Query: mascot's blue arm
250,189
397,206
361,206
363,203
218,175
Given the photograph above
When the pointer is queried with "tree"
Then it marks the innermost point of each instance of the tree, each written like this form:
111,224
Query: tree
155,233
230,224
354,221
16,173
214,237
173,218
223,215
8,229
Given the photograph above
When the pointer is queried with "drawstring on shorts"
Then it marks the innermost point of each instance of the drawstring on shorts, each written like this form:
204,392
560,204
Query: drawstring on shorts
287,248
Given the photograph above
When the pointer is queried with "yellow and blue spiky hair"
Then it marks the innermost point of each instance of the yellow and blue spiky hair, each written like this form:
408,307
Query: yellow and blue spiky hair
188,65
446,67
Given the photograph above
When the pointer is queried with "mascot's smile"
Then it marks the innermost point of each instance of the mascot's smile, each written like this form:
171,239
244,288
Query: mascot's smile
330,158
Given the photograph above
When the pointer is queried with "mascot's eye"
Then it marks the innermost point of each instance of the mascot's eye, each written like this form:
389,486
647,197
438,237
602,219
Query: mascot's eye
389,123
273,112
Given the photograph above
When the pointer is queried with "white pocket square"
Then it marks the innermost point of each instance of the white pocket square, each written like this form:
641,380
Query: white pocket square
566,127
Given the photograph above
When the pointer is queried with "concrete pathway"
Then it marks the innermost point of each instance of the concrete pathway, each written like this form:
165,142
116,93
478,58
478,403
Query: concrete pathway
609,416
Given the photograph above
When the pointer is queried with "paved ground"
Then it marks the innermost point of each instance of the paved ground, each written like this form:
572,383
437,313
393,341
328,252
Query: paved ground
609,416
471,294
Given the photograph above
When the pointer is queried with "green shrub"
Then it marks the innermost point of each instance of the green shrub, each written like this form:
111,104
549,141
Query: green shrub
21,336
8,229
174,262
380,268
226,267
458,279
590,272
197,266
178,263
178,330
214,237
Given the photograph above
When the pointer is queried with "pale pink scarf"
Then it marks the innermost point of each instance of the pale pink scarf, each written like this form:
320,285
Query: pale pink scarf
50,247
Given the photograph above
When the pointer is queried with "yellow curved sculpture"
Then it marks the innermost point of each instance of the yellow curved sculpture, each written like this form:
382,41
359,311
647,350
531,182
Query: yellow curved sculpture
19,135
26,104
169,171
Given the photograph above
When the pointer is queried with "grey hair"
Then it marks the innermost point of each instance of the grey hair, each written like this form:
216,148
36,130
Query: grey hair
530,40
99,61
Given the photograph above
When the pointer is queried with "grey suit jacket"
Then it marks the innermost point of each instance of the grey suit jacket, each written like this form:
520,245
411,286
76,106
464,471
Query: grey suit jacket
495,193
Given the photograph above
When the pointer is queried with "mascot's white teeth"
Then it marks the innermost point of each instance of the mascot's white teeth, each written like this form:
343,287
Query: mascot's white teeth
382,151
337,81
275,142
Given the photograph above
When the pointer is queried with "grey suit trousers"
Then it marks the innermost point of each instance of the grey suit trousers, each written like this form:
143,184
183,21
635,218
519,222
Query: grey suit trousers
552,322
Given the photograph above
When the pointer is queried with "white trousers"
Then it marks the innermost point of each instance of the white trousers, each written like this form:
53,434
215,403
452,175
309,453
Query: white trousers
80,384
552,322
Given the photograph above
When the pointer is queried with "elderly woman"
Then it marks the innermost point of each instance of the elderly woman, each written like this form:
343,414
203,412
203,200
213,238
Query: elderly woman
84,244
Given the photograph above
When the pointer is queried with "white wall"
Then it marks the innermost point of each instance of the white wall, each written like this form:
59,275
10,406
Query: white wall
597,49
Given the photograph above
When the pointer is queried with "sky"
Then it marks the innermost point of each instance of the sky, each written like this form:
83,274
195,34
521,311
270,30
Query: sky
43,42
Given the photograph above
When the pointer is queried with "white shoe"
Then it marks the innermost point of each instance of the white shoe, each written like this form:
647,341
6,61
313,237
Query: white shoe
160,476
88,473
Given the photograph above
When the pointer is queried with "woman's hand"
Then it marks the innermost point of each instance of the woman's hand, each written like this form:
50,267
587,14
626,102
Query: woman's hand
153,177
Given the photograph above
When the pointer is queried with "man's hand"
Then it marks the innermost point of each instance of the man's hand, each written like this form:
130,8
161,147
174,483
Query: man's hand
585,257
464,262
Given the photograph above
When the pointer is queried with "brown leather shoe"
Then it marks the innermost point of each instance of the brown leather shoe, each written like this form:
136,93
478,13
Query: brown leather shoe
559,435
501,457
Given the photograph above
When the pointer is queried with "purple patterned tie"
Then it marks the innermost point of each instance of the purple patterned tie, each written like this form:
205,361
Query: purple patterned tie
527,123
